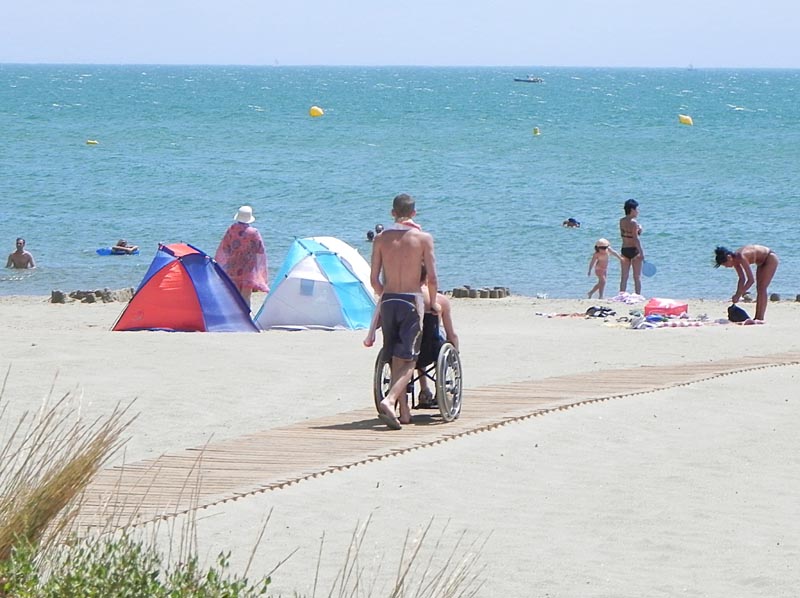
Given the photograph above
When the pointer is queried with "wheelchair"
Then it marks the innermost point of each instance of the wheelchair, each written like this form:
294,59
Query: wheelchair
444,373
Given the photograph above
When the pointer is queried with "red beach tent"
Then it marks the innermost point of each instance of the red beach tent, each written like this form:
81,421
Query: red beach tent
185,290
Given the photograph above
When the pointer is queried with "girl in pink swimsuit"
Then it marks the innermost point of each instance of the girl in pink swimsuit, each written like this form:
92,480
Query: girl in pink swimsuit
599,262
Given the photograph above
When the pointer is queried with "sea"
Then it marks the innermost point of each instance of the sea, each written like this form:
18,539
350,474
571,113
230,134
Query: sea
495,166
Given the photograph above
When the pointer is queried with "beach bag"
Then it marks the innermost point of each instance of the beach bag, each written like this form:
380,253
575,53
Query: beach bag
737,314
600,312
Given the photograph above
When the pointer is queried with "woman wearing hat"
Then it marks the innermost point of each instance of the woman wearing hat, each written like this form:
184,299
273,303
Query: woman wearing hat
243,256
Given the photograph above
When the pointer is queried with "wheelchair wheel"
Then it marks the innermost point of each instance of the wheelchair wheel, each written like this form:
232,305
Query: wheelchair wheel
381,380
448,382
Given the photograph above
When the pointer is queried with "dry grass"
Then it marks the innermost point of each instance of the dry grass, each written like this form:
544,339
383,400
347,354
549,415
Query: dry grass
425,570
45,464
49,458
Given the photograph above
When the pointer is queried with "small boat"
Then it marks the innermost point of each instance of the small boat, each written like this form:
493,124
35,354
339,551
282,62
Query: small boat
529,79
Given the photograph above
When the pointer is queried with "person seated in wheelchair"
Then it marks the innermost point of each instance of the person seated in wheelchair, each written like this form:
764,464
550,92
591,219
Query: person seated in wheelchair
432,341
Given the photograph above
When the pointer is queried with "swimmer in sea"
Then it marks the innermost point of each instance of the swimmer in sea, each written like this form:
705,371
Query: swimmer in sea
123,247
20,258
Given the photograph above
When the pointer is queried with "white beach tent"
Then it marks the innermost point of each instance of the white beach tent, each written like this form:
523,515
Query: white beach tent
323,283
357,264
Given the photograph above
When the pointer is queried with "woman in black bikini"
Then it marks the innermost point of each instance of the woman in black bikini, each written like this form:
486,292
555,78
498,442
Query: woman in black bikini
632,251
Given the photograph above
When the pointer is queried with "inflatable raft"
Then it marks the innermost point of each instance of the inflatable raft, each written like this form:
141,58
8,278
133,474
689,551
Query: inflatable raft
109,251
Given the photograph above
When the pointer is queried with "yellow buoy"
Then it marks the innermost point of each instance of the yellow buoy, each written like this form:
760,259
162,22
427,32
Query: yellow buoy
685,119
315,111
92,142
536,131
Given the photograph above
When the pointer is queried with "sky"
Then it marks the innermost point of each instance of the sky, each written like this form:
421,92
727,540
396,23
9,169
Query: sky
613,33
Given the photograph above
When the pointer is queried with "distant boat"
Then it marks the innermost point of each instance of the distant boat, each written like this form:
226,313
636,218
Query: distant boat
529,79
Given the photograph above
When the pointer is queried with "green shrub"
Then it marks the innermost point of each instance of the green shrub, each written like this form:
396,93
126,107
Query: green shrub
117,567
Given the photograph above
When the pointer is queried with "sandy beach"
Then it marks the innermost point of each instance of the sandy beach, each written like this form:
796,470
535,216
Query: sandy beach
688,491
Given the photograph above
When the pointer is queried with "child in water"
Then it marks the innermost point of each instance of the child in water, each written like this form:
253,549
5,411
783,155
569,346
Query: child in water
599,262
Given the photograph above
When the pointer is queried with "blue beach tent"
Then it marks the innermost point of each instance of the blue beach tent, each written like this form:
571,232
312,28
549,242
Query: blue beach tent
324,284
185,290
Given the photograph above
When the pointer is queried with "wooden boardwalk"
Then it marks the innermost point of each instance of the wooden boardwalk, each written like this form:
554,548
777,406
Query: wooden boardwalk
195,478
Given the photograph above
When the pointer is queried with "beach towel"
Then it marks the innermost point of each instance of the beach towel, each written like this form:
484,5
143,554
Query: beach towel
242,255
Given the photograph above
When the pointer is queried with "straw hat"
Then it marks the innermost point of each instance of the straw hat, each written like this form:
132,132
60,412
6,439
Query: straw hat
244,215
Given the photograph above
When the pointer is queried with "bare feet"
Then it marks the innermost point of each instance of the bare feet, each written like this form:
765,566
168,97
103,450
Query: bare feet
751,322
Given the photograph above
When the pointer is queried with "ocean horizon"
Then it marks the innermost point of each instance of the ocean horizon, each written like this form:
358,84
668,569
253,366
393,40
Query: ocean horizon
180,148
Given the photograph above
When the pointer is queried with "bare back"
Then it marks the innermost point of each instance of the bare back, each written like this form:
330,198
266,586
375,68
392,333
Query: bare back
397,258
629,230
754,254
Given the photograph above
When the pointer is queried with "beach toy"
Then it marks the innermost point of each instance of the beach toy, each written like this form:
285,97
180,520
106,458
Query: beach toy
315,111
685,119
107,251
92,142
649,269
